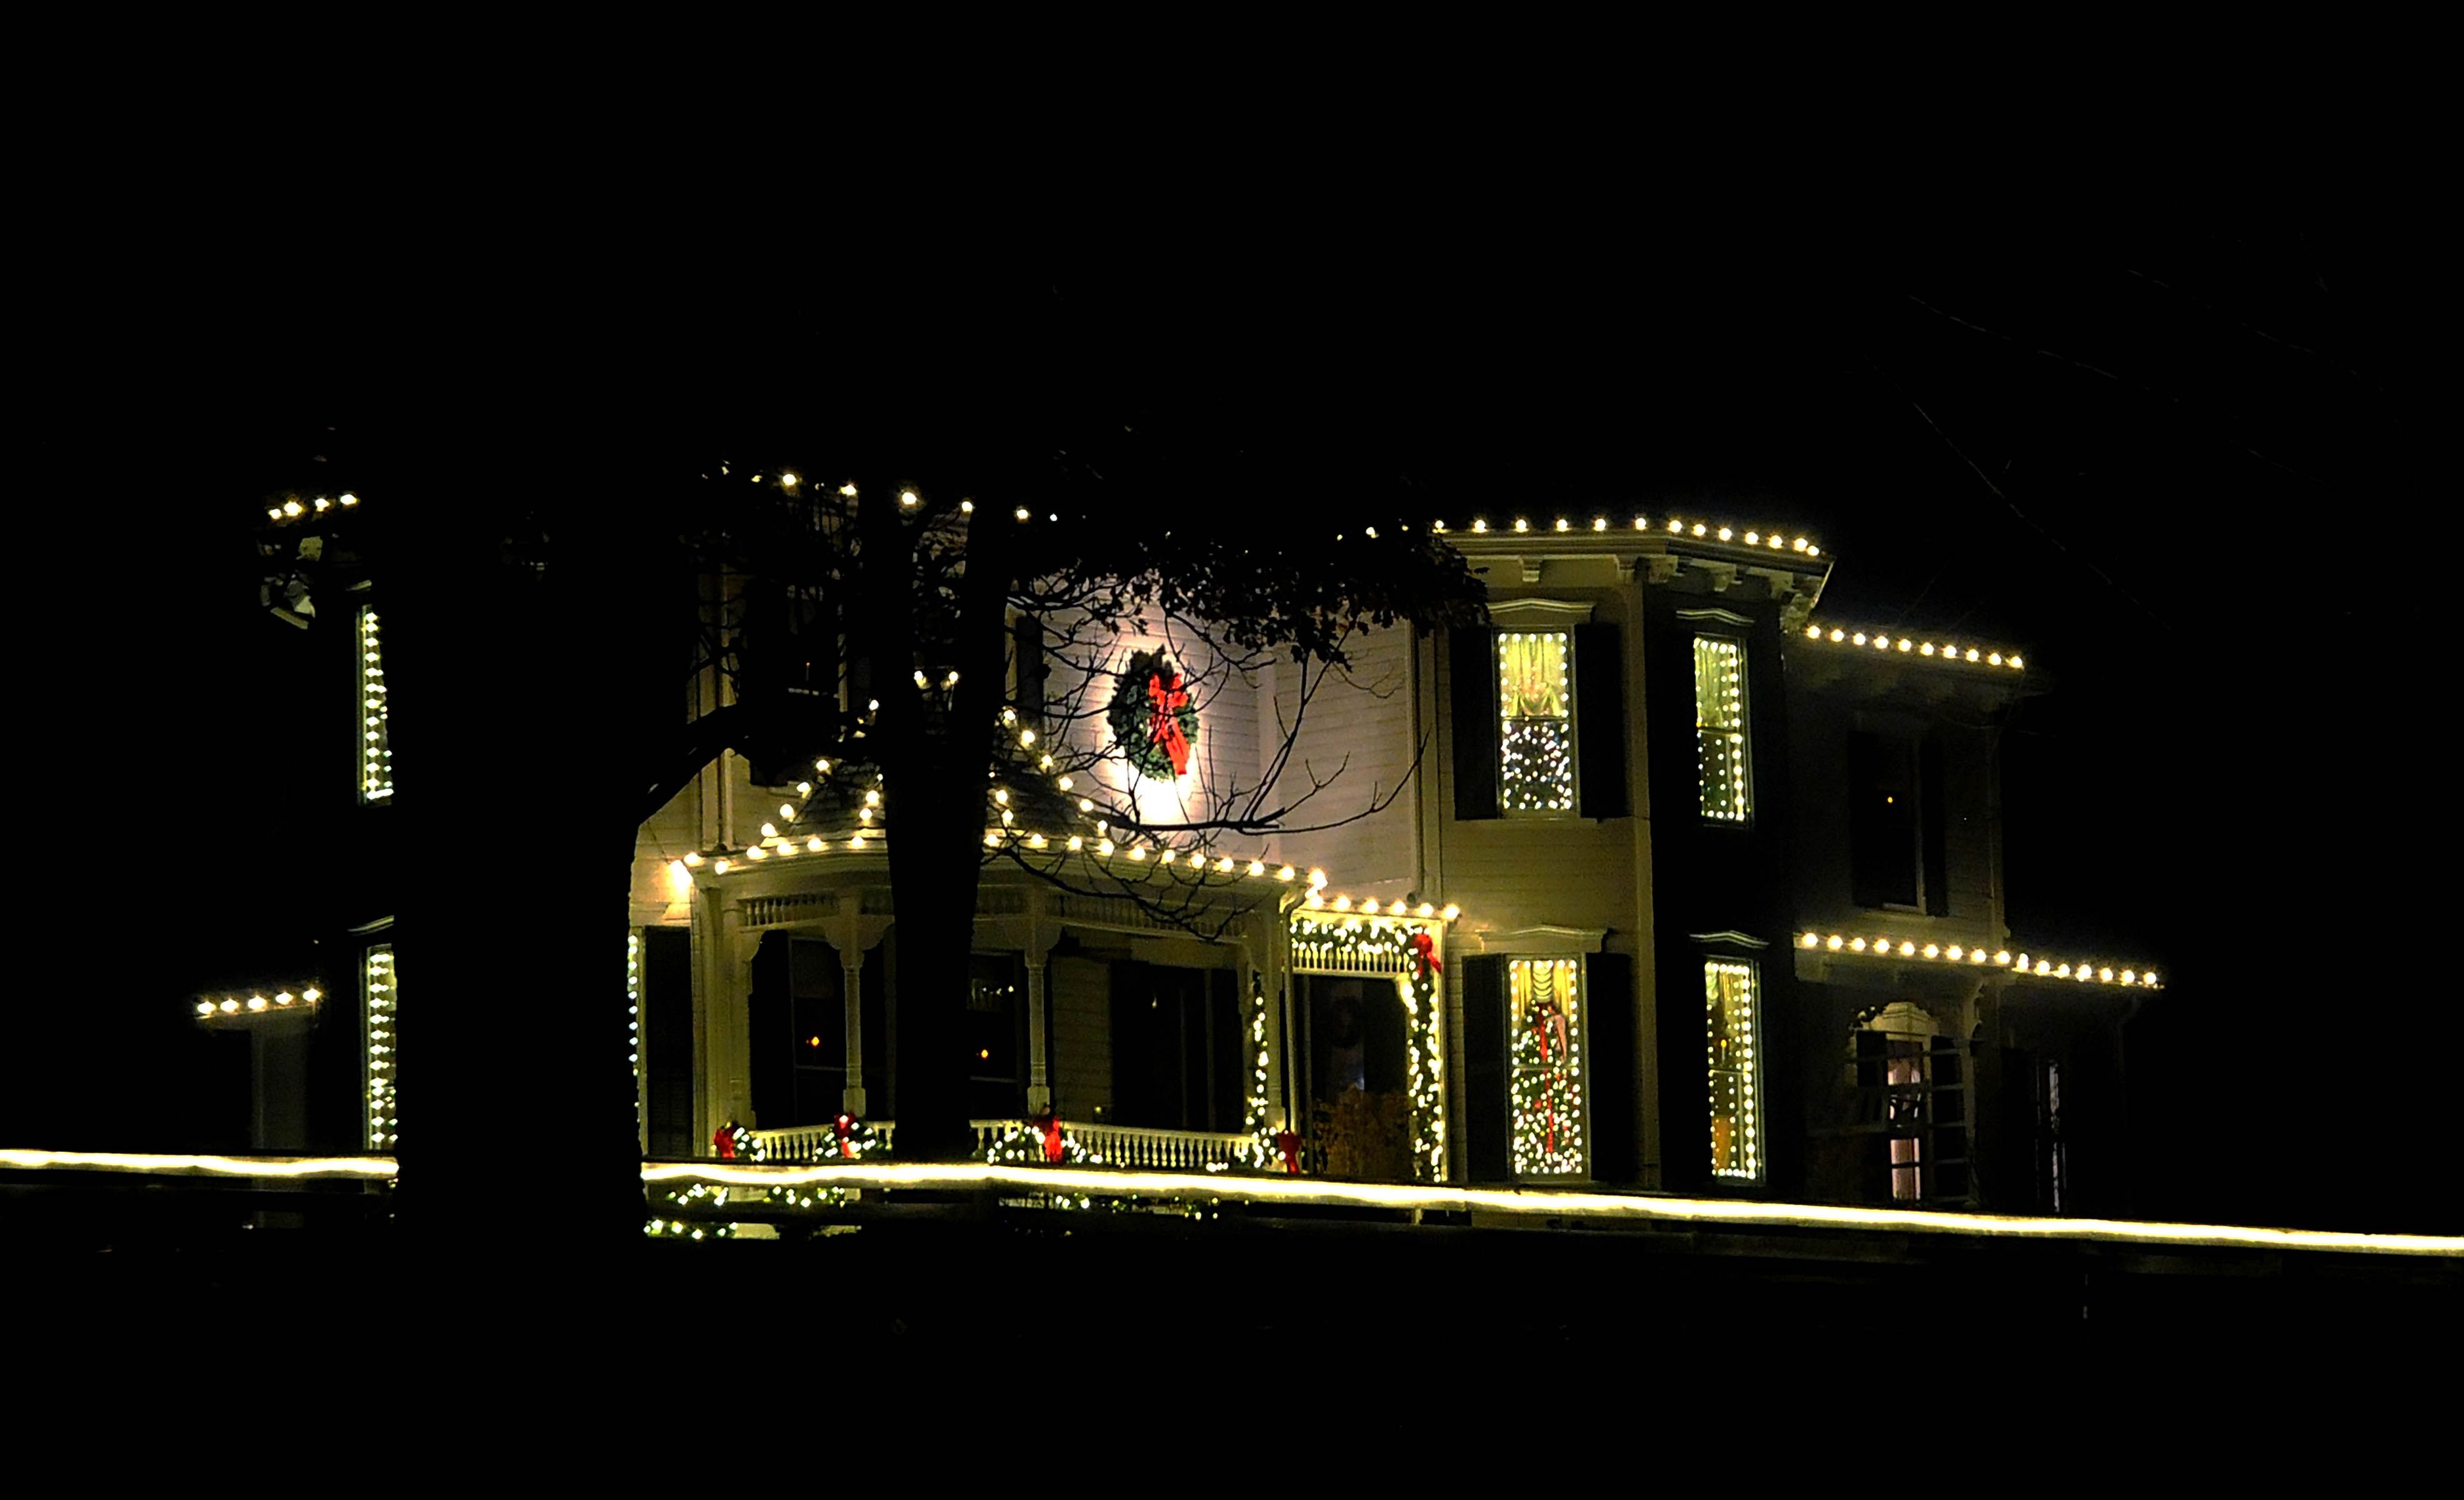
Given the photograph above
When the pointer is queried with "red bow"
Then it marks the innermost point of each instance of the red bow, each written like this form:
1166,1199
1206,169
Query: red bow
847,1135
1049,1126
1425,950
1168,703
1290,1145
724,1139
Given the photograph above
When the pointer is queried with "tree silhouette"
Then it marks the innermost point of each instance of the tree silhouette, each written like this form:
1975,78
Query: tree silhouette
540,630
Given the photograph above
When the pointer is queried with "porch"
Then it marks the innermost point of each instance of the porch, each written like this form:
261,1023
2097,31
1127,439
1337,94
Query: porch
1096,1144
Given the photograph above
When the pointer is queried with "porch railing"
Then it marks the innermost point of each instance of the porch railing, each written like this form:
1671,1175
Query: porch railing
1137,1145
813,1143
1119,1145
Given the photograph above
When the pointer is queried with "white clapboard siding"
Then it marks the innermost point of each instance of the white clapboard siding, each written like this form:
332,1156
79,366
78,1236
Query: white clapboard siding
1511,872
1079,994
1224,767
1357,730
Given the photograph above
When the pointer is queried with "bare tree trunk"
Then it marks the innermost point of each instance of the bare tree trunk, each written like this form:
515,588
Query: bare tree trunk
521,701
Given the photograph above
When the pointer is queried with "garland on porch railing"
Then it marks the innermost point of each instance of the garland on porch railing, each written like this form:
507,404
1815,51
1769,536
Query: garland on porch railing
1351,946
1043,1141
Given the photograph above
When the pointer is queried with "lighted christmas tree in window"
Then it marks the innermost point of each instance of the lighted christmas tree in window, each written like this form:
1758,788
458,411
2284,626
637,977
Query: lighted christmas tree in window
1536,702
1545,1047
1729,1050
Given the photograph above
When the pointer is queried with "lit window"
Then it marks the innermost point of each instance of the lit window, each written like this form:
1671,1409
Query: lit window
1536,708
1722,755
1732,1028
380,1028
1910,1095
376,744
1545,1049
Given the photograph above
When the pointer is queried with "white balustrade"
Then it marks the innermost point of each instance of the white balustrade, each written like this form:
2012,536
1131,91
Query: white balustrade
813,1143
1118,1145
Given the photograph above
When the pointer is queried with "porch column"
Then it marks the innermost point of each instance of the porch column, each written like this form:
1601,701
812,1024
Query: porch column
1039,1069
855,933
851,988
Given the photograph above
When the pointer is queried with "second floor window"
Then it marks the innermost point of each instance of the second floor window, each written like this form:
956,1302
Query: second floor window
1724,752
1535,770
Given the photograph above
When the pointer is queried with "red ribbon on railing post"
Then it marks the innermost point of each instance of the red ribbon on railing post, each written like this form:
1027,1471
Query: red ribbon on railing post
1425,952
847,1135
1048,1128
1168,702
724,1139
1290,1144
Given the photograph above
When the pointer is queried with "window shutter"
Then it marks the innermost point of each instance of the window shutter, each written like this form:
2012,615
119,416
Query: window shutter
1488,1140
1473,668
1947,1112
1936,831
1599,721
1874,1108
1609,1052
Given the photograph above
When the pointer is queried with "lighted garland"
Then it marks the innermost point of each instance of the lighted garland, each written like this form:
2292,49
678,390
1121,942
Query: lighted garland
1354,947
736,1144
664,1228
1268,1150
1152,686
1043,1142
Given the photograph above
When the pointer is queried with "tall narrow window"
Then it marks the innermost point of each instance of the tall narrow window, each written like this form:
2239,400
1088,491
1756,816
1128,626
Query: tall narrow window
379,1018
1535,770
376,746
1912,1101
1722,755
1882,821
1545,1053
1732,1028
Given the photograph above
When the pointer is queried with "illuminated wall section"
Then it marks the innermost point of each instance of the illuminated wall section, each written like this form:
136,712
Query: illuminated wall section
1544,1045
1536,743
1730,1031
380,1016
1722,752
376,744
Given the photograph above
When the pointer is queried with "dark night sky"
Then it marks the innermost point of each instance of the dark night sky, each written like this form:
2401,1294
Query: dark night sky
2181,459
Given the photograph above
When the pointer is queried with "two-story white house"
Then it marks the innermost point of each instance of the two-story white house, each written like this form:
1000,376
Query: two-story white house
1658,880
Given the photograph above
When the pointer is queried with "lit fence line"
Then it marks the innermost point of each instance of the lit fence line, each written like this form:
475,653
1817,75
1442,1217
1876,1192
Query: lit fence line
1211,1187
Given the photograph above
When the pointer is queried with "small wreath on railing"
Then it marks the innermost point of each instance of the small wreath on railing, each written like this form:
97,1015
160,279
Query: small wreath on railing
1152,719
1043,1141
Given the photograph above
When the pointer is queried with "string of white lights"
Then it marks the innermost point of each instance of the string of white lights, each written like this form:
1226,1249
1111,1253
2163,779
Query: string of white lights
1949,652
2085,971
1541,1203
1770,541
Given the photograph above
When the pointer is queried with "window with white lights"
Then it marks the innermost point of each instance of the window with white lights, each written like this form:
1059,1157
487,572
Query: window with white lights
380,1017
1535,772
1544,1048
1723,751
1731,1022
376,743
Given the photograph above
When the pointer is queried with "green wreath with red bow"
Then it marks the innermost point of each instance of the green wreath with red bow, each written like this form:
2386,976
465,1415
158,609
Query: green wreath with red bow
1152,718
